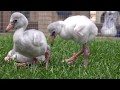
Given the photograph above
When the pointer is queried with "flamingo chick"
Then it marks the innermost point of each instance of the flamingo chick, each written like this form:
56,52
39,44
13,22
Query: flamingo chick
78,28
29,43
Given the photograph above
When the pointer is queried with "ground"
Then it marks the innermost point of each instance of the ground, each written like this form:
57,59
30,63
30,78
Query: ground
103,62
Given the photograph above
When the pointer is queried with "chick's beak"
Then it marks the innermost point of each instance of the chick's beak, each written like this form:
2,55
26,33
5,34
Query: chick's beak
9,27
52,37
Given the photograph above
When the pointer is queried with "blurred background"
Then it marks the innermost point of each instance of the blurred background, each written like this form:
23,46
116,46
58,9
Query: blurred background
40,19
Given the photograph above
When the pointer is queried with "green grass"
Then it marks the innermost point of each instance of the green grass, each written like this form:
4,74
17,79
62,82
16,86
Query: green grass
104,61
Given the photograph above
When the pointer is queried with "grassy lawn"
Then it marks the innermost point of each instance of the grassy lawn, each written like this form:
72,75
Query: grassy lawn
104,61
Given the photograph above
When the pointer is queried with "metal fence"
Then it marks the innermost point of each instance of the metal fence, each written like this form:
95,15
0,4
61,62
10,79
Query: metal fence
40,19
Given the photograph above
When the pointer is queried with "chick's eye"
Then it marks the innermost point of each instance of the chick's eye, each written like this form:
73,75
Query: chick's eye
53,33
15,21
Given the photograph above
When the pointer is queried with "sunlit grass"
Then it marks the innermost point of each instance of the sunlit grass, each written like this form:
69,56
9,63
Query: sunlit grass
104,61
